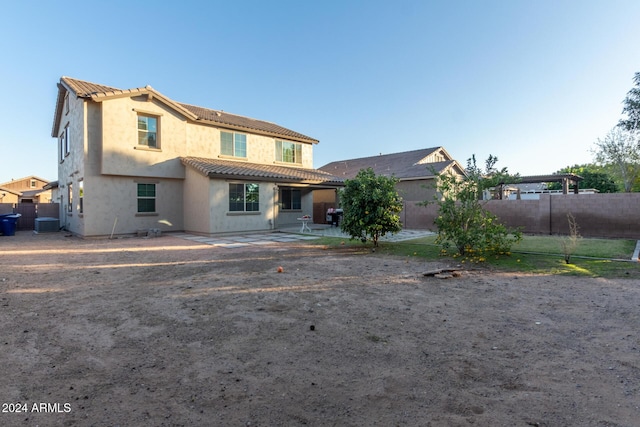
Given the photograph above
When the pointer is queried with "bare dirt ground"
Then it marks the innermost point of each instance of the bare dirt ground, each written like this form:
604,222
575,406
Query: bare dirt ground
167,332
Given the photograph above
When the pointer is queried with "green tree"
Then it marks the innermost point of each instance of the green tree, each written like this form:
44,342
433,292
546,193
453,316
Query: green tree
632,107
594,176
490,176
619,151
463,221
371,206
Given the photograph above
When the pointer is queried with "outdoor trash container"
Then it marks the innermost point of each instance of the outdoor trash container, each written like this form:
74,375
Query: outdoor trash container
8,224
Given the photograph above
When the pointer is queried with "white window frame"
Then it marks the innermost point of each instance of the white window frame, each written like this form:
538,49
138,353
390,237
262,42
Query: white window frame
147,132
296,152
236,146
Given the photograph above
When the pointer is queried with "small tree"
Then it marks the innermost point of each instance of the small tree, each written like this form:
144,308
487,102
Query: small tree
464,222
371,206
570,243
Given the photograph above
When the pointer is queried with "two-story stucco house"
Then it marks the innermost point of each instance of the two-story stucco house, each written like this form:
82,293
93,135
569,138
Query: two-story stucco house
134,159
30,189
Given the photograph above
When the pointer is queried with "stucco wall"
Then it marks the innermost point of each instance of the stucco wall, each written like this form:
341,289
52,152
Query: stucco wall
121,154
119,199
71,167
223,221
198,204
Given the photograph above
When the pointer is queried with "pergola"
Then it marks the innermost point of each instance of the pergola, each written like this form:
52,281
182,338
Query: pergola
565,178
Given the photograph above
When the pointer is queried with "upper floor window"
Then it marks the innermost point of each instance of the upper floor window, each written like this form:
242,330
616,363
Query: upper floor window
67,140
244,197
148,131
64,141
288,152
61,147
233,144
66,103
32,183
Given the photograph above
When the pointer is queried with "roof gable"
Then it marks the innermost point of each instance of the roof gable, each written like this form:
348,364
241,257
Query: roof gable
26,178
416,164
99,93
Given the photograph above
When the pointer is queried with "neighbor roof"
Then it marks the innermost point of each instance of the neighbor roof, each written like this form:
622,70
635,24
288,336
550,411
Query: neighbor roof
404,166
99,93
216,168
24,179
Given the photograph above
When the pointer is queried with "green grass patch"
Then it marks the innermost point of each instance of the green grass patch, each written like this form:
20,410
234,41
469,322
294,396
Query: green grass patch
598,248
534,254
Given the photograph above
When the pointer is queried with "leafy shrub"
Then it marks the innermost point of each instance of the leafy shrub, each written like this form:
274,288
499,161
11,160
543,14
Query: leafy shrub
463,222
371,206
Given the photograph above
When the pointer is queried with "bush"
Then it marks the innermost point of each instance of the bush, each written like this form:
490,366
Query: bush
371,206
463,222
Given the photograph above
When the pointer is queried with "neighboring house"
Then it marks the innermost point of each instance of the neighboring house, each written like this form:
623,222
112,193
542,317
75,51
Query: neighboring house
29,189
134,159
416,170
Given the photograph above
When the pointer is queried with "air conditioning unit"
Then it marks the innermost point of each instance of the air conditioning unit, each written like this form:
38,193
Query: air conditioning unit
46,225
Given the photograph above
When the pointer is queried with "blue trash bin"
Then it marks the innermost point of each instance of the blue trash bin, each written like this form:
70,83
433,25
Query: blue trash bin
8,224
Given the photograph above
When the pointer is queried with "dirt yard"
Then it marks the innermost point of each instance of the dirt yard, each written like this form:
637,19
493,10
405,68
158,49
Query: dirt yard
167,332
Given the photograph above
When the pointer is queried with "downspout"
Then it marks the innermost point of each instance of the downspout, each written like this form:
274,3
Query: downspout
275,206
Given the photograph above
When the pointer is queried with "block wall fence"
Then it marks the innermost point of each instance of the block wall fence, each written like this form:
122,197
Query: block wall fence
614,215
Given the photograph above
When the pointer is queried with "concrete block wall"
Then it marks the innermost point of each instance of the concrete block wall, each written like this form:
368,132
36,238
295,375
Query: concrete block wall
597,215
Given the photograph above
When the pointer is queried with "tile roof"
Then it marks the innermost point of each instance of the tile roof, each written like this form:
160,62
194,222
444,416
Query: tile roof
86,89
405,165
220,118
234,120
216,168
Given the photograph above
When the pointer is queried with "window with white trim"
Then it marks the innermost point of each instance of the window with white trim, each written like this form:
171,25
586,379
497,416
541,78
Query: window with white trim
70,197
233,144
67,140
148,131
244,197
146,198
288,152
61,146
81,196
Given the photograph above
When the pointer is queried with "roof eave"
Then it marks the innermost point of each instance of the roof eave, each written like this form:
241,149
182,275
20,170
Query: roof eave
256,131
57,115
151,95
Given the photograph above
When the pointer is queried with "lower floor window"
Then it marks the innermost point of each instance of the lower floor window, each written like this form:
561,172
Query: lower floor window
244,197
70,197
290,199
146,197
81,196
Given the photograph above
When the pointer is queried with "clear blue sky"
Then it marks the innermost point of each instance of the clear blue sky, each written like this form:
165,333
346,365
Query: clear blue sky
533,82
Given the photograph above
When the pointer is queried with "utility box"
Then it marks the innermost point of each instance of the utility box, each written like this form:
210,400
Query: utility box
47,225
